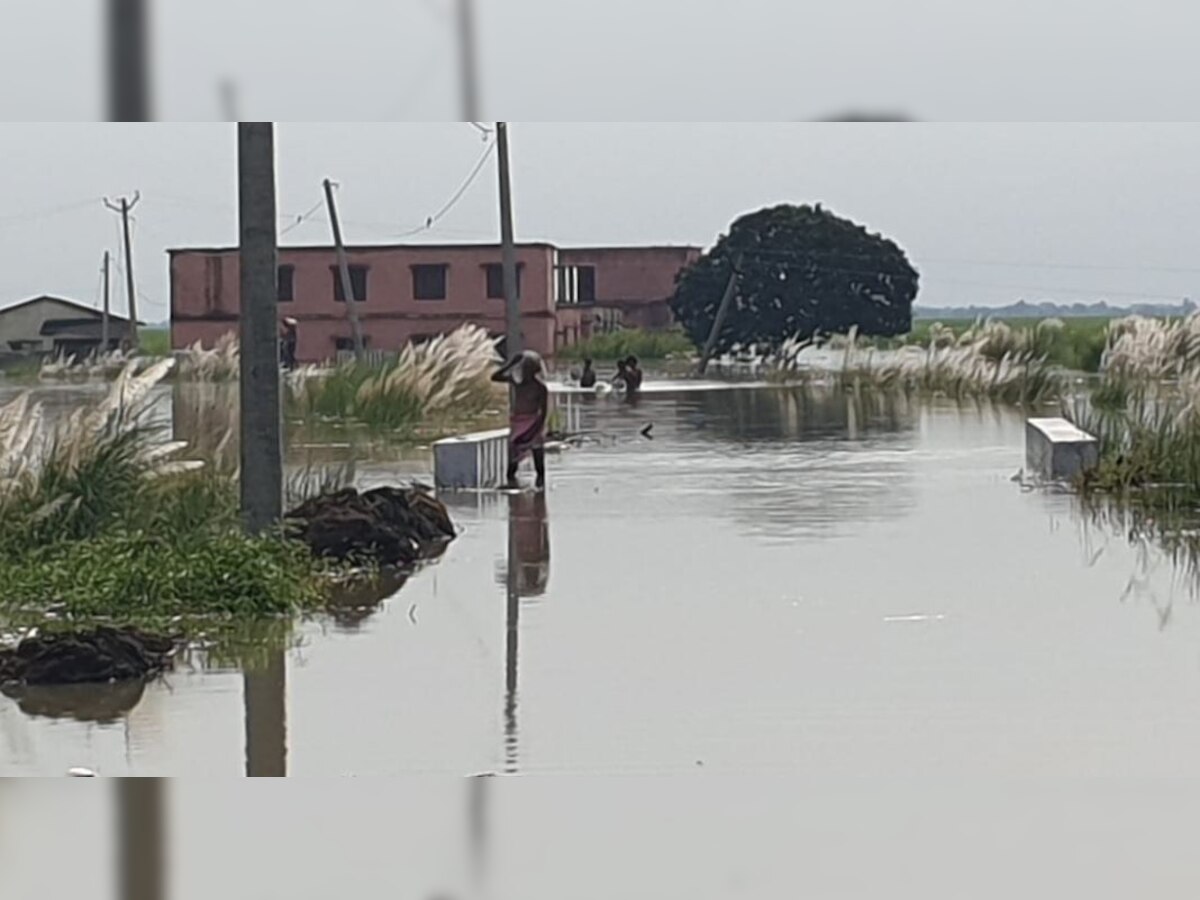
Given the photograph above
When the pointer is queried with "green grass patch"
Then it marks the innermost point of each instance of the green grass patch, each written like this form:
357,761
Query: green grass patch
645,345
155,341
1077,344
147,578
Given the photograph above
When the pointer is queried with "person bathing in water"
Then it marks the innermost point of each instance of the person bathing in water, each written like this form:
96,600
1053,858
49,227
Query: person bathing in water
527,420
633,375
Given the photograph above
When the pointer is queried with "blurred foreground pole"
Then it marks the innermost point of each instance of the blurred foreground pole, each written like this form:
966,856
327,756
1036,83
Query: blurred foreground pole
508,252
261,420
141,864
468,70
344,271
719,320
264,691
128,61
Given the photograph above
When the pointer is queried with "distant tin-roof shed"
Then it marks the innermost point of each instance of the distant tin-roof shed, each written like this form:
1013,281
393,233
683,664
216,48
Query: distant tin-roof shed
48,324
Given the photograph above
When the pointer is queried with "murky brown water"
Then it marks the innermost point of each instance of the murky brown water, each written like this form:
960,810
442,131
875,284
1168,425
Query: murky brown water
770,585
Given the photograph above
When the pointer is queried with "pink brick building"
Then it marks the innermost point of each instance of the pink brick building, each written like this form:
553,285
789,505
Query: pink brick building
407,292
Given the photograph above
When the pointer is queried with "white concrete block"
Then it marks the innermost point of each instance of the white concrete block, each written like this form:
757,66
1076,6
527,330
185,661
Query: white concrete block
471,461
1056,450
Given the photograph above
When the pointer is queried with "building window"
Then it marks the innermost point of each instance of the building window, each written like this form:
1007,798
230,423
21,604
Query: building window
574,284
587,284
347,343
286,284
358,283
429,282
495,280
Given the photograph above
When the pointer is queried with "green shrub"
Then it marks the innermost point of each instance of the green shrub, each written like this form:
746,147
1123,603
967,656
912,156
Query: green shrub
631,342
143,577
155,341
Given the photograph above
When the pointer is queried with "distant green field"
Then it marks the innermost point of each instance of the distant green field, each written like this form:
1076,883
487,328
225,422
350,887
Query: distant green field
155,341
1078,345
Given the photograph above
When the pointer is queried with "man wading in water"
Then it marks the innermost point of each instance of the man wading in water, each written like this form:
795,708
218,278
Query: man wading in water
527,420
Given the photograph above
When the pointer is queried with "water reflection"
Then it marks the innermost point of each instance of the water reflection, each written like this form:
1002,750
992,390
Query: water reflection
806,463
1163,537
526,574
142,838
795,413
98,703
264,689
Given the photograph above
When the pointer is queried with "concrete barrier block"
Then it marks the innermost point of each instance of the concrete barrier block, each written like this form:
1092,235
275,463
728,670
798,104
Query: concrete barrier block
471,461
1056,450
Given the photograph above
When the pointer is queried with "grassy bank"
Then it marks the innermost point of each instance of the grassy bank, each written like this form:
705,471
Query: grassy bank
101,517
445,380
989,361
645,345
1076,344
1145,412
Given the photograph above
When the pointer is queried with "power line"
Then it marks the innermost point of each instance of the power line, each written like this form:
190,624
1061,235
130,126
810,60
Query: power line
303,217
458,194
33,215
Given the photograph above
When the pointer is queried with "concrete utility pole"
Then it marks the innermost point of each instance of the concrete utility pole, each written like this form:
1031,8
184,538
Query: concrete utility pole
128,61
261,419
508,252
141,826
719,320
104,314
344,271
467,61
124,208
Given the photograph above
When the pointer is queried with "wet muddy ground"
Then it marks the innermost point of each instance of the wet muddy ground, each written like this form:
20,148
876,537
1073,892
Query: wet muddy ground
771,583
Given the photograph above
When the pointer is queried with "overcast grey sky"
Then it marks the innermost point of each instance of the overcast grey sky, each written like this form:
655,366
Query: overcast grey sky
988,213
322,60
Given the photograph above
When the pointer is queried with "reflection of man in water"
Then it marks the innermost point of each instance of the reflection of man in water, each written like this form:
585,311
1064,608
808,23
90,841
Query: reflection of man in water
527,518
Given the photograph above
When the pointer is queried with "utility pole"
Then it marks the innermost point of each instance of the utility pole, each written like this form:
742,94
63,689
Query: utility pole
141,826
719,321
261,419
344,271
104,315
124,209
128,61
508,253
467,61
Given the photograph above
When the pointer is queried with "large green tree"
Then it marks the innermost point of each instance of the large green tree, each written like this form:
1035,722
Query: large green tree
802,272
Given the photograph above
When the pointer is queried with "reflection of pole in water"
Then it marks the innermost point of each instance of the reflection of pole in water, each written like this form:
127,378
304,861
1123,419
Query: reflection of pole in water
512,622
141,819
265,695
478,788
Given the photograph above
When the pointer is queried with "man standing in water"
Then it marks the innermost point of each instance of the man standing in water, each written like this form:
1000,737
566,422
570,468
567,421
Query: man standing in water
287,343
633,375
527,420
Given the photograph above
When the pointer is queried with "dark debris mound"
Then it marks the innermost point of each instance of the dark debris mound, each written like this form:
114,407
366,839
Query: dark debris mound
392,526
98,655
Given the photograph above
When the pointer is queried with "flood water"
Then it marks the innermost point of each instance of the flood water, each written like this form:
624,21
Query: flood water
770,583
